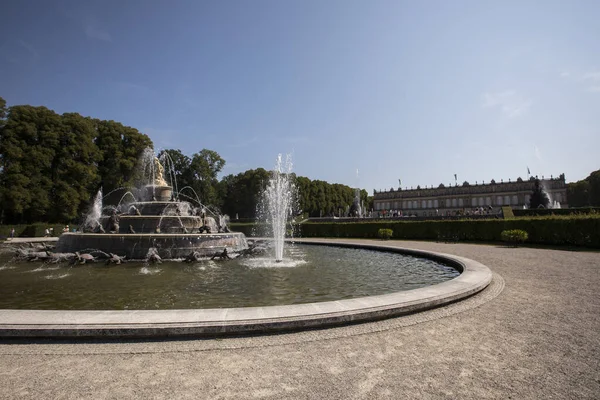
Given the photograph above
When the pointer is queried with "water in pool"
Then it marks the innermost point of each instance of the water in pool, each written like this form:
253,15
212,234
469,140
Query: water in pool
308,273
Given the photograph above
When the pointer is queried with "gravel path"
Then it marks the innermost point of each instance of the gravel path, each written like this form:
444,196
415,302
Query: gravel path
533,334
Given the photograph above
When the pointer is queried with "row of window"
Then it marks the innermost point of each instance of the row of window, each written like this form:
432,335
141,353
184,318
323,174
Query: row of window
454,203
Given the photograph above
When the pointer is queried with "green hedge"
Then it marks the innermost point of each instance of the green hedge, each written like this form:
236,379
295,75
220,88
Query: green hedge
532,212
578,231
33,230
247,229
252,229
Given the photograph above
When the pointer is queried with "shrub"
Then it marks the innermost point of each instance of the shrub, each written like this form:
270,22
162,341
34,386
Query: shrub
385,234
514,236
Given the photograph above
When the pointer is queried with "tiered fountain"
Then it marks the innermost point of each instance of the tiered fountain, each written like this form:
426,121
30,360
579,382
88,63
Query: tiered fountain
153,221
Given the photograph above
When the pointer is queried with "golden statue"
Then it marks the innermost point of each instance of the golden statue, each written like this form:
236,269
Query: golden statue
159,179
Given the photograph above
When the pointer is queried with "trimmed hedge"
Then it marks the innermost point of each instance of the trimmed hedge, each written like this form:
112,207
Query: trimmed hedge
252,229
577,231
247,229
33,230
532,212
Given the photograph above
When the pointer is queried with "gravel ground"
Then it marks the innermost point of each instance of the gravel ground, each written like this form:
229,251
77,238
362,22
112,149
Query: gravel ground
533,334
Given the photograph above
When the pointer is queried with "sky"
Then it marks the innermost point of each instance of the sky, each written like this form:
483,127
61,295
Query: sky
362,93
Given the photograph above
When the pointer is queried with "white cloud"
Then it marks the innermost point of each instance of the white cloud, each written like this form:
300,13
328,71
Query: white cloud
591,76
510,102
538,154
95,33
32,51
19,52
565,74
592,79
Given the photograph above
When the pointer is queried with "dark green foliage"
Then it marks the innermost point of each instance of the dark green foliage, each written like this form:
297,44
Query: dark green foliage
385,233
120,147
514,236
539,198
322,199
249,228
74,168
177,169
585,192
32,230
241,192
205,166
3,110
556,211
28,144
198,172
51,165
574,230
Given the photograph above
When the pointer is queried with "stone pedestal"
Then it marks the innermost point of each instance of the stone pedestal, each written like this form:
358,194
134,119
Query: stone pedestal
158,193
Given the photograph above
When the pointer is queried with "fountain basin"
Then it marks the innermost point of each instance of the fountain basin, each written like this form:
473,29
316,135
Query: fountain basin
474,277
136,245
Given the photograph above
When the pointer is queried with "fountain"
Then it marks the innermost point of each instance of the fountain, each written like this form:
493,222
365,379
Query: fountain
357,205
277,202
152,220
328,286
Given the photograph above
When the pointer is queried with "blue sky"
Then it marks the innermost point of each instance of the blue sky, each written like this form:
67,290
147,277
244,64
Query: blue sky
417,91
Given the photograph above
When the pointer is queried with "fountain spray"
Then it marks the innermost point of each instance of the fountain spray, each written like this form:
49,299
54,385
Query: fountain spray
279,196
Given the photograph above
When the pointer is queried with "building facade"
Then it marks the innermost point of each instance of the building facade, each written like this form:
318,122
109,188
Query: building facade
466,198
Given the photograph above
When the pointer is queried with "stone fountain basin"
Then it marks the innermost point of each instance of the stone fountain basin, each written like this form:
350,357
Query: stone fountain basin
474,277
168,245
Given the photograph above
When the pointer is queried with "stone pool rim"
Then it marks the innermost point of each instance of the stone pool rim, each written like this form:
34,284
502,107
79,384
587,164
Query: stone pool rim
215,322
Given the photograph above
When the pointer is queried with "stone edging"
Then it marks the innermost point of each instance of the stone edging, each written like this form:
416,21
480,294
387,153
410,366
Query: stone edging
251,320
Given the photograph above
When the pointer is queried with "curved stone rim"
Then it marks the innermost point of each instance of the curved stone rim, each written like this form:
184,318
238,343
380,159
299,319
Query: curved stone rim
214,322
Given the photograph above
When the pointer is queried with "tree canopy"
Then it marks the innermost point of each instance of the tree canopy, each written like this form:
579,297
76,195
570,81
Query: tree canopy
52,165
586,192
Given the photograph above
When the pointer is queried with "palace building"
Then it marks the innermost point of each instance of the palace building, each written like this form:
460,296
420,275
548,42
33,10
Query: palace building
465,198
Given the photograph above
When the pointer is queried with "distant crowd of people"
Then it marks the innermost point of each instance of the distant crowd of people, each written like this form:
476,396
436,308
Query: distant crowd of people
488,210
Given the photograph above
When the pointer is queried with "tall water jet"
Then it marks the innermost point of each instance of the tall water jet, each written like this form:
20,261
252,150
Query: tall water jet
278,197
92,219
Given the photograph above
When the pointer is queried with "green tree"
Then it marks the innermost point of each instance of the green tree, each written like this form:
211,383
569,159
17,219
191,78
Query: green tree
177,170
120,147
204,168
3,114
3,111
74,168
578,194
241,193
30,137
586,192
